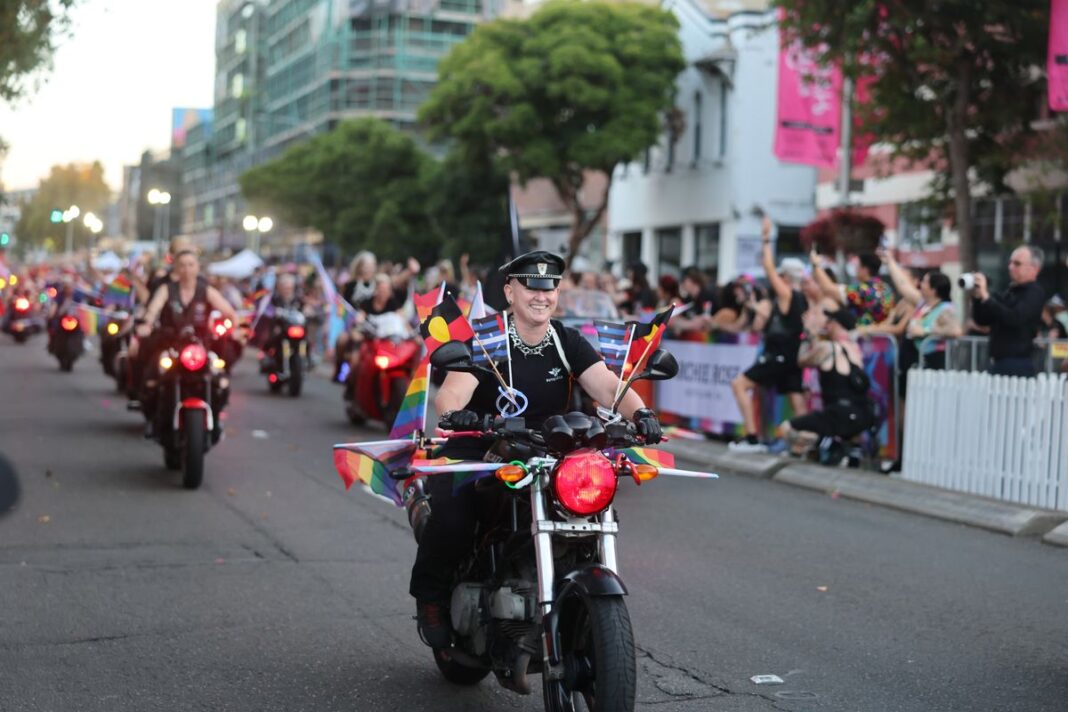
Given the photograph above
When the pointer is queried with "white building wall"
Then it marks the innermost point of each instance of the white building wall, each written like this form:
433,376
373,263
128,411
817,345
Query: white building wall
736,170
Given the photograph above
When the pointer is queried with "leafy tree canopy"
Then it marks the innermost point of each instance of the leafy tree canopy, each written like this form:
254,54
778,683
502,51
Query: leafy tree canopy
75,184
955,83
363,185
578,86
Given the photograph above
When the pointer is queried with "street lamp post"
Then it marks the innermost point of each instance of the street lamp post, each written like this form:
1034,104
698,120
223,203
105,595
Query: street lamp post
255,227
69,216
158,198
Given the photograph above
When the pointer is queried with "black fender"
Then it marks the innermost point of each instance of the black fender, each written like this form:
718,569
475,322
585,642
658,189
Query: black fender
590,581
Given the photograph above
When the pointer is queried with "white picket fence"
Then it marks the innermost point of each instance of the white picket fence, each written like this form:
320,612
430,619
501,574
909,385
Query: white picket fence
994,436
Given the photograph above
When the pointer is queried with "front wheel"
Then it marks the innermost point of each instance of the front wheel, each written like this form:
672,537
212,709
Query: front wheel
597,643
296,375
456,673
194,434
20,337
66,363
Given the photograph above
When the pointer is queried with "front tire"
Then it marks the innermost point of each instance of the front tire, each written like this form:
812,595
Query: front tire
456,673
194,434
598,650
296,375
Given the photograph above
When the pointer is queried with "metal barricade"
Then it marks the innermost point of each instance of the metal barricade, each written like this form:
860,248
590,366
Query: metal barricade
972,353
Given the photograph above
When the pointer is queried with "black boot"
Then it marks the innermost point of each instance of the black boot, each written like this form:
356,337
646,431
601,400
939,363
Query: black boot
435,627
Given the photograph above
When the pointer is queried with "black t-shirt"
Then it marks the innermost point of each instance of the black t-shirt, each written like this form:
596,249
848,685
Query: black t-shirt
543,378
782,333
356,290
367,306
703,303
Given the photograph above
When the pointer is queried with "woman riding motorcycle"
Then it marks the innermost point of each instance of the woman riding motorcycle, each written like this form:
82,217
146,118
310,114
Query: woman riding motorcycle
183,301
546,359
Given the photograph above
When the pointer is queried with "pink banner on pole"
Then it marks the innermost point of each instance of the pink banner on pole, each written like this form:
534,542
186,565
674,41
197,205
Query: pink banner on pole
809,116
1057,66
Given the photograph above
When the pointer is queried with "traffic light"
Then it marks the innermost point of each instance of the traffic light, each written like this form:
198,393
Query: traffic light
56,216
4,239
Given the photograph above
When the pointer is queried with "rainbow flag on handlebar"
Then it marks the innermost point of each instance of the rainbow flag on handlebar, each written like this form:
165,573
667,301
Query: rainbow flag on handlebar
119,292
371,463
411,415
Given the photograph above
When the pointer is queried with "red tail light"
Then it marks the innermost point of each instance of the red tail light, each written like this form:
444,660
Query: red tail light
585,483
22,304
68,323
193,357
220,330
295,332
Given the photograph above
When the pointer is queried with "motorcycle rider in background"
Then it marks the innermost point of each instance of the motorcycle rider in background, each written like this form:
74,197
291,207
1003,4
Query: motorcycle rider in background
184,300
546,360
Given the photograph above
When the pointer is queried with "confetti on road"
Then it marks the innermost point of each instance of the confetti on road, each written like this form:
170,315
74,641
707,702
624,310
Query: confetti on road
259,434
44,519
821,589
766,680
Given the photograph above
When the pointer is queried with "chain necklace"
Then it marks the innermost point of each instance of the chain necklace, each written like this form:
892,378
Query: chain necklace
523,348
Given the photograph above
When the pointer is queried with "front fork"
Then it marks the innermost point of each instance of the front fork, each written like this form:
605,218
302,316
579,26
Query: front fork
543,553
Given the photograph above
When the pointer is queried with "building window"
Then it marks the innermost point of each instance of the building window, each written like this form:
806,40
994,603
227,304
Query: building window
237,86
669,251
632,248
706,247
918,226
697,126
240,41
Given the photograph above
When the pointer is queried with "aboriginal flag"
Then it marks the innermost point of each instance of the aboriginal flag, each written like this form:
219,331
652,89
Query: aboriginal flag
646,340
444,324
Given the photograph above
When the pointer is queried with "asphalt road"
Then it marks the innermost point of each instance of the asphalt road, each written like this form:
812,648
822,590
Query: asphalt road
271,588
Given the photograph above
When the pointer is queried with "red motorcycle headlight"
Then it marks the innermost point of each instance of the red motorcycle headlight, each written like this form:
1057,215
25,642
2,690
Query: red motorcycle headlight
22,304
193,357
382,362
220,330
585,483
68,323
295,332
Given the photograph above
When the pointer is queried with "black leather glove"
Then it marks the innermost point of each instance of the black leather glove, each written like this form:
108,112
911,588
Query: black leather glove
648,426
459,420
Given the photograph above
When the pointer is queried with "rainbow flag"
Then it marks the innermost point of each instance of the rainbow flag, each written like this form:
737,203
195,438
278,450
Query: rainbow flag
88,319
372,462
411,416
342,318
648,456
119,292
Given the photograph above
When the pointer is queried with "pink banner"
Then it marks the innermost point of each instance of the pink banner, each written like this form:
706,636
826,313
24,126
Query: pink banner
1057,66
809,116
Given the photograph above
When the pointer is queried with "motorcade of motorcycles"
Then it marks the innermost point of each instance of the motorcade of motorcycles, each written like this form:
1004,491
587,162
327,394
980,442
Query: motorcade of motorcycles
286,352
541,593
67,342
193,389
386,360
22,319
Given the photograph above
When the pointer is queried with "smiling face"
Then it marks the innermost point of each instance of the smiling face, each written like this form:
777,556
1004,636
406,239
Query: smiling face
531,307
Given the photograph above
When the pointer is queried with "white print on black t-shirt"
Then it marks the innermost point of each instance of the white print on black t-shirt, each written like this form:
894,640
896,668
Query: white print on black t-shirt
555,374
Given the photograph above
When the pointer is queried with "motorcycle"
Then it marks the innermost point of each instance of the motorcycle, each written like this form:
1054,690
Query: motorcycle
286,352
541,592
193,389
224,340
387,359
114,338
67,342
21,320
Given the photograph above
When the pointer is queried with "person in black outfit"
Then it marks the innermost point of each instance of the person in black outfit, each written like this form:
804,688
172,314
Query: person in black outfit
1014,315
184,301
777,365
547,359
843,383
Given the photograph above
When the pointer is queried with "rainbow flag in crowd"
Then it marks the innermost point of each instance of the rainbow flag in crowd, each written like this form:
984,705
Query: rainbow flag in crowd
371,463
119,292
411,416
88,318
342,317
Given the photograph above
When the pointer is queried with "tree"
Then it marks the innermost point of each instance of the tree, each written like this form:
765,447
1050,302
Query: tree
27,33
468,204
363,185
577,87
956,84
74,184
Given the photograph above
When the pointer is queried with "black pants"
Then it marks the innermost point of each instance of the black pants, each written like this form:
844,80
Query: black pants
1013,366
450,534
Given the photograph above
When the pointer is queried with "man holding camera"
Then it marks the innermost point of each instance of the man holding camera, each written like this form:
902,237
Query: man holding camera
1014,315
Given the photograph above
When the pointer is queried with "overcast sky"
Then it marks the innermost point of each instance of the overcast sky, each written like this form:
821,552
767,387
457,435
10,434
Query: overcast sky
110,94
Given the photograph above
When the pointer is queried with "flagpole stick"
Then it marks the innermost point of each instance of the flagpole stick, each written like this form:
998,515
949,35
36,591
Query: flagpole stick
500,378
626,351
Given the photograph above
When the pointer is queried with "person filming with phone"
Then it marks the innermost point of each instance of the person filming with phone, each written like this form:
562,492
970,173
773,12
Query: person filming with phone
1012,315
